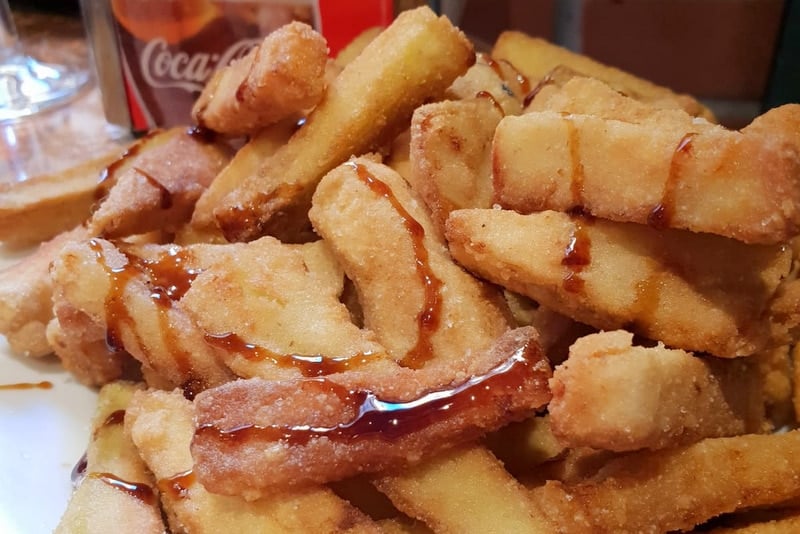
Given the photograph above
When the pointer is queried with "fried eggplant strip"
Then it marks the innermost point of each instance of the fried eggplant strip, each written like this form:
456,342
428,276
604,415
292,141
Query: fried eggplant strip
697,292
288,320
254,435
280,77
708,478
26,294
244,163
156,184
465,490
614,396
450,153
444,311
665,173
132,295
412,61
116,487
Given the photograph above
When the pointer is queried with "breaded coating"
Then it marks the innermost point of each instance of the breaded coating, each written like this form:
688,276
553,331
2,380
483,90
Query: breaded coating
156,188
285,319
369,103
116,487
160,424
133,294
665,172
280,77
450,153
676,489
698,292
614,396
26,294
255,435
420,304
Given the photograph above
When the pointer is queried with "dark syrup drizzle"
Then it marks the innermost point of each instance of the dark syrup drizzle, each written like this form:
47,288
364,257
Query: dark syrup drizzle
391,420
308,365
430,316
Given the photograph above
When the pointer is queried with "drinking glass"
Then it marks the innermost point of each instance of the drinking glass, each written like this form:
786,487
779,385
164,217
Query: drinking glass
27,85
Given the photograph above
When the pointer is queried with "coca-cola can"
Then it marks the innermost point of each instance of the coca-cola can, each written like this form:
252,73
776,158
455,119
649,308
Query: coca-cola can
153,57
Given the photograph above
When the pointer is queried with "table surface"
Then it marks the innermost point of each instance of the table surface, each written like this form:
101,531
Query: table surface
60,138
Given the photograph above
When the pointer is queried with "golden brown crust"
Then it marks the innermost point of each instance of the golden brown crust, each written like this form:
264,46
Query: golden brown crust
116,488
121,293
41,207
160,424
277,289
450,153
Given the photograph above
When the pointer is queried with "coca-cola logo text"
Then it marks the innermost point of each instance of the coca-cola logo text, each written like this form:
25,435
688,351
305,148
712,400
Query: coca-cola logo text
163,67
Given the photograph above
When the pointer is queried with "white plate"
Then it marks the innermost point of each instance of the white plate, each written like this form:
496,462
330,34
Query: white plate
43,433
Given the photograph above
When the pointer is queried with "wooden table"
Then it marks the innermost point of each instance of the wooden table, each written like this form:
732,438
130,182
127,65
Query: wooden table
63,137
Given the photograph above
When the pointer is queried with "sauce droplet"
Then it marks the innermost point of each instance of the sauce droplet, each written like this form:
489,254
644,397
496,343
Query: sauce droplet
78,472
117,417
139,490
577,255
177,486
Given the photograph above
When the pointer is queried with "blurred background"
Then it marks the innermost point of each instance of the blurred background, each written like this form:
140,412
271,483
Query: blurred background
738,56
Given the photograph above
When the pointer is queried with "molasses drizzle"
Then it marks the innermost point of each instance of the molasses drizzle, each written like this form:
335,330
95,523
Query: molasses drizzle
308,365
577,176
490,97
430,316
660,216
391,420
